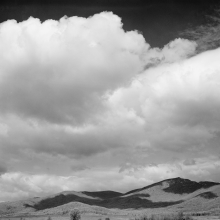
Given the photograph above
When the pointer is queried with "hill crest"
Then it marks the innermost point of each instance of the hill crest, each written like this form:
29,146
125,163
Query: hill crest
166,193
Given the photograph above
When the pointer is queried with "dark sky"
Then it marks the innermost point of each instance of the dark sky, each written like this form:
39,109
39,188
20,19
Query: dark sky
160,21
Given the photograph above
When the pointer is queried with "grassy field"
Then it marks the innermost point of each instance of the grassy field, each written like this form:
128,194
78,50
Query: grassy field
206,217
83,217
103,217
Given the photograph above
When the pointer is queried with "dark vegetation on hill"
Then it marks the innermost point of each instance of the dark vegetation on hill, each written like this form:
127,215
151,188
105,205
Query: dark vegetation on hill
181,186
134,202
103,194
207,195
60,200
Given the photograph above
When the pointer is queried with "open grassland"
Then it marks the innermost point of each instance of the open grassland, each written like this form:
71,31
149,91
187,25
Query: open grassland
174,216
115,214
83,217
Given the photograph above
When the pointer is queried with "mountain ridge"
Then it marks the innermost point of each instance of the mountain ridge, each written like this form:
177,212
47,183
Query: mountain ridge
166,193
201,183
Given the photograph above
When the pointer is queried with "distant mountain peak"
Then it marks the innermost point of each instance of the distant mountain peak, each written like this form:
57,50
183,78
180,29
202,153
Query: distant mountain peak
177,185
181,186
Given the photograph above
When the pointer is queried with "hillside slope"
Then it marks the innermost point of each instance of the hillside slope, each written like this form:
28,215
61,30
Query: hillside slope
208,200
172,190
177,192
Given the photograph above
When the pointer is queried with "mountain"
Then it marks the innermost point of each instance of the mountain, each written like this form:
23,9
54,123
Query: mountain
161,194
176,189
175,193
176,185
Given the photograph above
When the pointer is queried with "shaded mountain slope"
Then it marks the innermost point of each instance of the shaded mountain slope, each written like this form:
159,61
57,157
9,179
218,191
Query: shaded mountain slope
134,202
103,194
61,199
208,195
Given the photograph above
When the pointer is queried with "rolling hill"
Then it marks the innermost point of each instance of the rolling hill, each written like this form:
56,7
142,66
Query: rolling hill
176,193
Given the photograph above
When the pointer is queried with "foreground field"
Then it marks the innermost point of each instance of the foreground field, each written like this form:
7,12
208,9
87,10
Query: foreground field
83,217
111,217
207,218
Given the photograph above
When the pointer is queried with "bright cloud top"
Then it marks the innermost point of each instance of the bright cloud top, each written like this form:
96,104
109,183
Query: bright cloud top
58,71
81,100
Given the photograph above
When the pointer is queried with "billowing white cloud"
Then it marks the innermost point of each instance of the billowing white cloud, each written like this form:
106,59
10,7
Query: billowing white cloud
176,50
179,103
58,71
82,99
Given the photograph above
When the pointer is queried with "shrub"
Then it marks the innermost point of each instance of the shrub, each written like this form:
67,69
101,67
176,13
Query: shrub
180,216
49,218
188,217
75,214
65,212
152,217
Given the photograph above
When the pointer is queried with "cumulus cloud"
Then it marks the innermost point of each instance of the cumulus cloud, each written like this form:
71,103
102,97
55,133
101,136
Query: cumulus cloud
83,100
178,103
58,71
174,51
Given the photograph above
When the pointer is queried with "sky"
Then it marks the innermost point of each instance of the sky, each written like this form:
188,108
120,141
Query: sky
88,104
